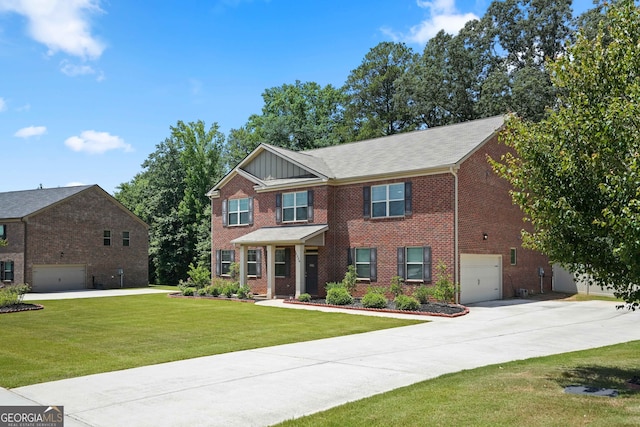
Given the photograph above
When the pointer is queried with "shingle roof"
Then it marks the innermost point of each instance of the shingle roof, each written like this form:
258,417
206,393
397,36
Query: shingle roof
18,204
405,152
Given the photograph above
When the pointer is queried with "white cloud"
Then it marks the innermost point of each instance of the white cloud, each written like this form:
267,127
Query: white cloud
61,25
30,131
94,142
74,184
442,15
73,70
3,105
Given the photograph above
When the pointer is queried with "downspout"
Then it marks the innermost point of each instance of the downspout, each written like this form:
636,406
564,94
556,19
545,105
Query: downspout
454,172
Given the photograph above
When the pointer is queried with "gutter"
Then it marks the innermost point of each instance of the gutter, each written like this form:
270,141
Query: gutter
454,171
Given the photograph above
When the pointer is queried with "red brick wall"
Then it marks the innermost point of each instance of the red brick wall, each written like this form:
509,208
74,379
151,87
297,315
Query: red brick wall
14,251
486,207
71,232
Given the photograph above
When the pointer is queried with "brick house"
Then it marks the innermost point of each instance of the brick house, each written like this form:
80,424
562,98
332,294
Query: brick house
71,238
396,205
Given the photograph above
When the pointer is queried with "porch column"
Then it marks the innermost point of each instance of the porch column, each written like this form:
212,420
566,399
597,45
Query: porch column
243,265
271,271
300,273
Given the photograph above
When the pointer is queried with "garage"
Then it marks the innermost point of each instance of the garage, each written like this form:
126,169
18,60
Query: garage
480,278
51,278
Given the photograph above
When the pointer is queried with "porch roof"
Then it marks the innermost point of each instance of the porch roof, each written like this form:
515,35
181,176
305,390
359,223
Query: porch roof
283,235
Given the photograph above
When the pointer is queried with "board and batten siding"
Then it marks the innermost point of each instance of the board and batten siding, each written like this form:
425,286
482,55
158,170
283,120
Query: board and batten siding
269,166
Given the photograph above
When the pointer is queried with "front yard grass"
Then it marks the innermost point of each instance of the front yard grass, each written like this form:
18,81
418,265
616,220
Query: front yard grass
77,337
523,393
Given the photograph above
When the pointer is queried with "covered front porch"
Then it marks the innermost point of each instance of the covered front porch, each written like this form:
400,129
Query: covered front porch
301,237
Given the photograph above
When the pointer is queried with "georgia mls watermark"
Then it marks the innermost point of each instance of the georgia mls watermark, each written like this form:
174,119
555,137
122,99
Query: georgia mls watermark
31,416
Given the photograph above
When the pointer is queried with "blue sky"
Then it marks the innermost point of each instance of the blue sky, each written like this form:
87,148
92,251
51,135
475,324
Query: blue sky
88,88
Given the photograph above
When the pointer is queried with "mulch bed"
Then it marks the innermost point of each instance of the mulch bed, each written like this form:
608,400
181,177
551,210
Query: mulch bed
220,298
15,308
429,309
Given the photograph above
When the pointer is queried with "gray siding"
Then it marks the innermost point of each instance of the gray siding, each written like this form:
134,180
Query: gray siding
269,166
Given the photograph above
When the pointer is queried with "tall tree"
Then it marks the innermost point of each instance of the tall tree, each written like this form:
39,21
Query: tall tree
170,195
372,109
576,174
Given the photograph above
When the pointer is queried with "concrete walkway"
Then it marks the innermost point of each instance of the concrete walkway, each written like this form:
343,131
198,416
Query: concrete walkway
268,385
92,293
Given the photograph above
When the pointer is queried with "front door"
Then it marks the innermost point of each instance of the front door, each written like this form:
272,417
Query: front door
311,274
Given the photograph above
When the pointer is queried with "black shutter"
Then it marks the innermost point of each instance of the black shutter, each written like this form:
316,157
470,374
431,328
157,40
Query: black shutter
258,262
250,210
401,263
225,213
408,205
1,270
351,256
373,264
278,208
366,201
310,205
426,263
287,262
218,263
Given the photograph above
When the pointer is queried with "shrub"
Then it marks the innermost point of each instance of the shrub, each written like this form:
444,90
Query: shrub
201,292
13,294
332,285
422,294
374,300
350,280
339,296
396,286
228,290
304,298
188,291
444,290
200,276
234,270
404,302
243,292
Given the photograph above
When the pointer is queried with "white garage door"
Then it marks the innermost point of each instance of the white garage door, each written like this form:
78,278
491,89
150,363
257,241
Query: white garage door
480,278
50,278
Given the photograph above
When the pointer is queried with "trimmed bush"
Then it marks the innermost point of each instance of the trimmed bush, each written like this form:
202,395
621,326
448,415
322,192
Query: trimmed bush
202,292
13,294
404,302
243,292
331,285
304,298
374,300
422,294
188,291
339,296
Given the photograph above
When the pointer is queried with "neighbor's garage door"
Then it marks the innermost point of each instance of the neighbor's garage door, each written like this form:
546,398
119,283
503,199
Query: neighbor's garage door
480,278
48,278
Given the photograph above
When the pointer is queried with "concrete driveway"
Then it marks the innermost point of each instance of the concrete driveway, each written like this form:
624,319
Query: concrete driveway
268,385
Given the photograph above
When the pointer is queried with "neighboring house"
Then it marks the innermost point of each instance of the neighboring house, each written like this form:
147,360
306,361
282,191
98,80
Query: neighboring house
71,238
396,205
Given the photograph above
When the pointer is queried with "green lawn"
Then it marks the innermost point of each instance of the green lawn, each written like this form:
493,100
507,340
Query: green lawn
524,393
77,337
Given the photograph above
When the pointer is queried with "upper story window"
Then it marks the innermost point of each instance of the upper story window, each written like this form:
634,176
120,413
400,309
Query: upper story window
387,200
237,212
3,232
292,207
125,238
106,238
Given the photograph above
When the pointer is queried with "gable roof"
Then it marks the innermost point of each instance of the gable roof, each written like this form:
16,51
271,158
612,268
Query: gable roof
395,155
18,204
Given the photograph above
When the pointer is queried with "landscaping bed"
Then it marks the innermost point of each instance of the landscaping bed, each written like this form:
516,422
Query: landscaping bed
14,308
428,309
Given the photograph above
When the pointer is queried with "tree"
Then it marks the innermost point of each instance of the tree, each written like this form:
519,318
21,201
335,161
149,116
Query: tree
170,196
371,110
576,174
300,116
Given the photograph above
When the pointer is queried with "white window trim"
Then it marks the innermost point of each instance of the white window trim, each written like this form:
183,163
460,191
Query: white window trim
407,263
238,212
223,262
295,207
362,263
387,201
254,262
283,263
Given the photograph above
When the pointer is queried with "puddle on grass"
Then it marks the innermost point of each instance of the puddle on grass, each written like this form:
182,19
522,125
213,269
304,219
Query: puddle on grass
591,391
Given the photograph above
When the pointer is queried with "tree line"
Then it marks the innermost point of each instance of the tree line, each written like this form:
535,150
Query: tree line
496,64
